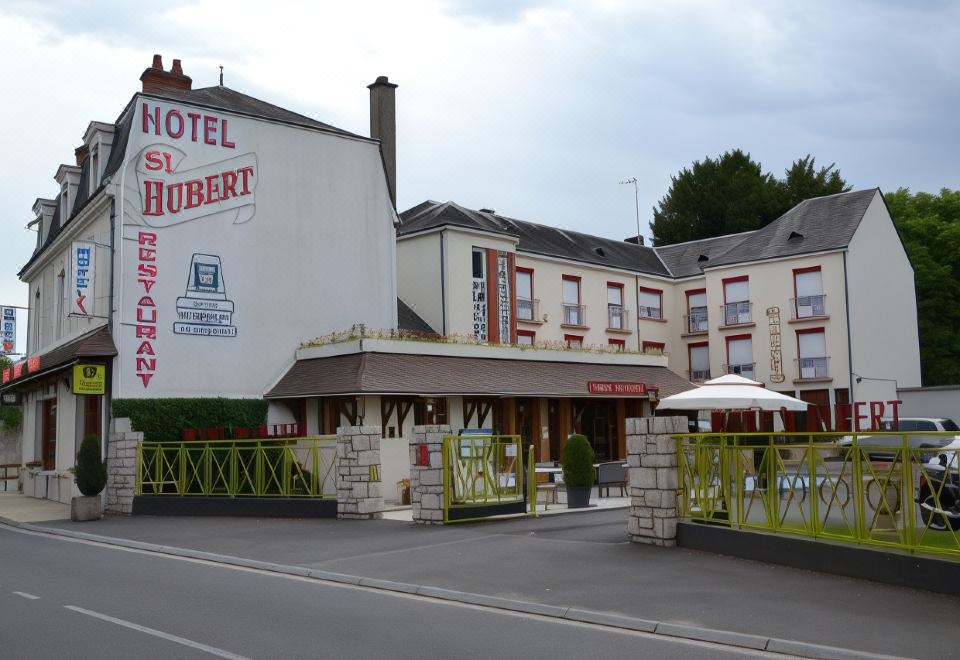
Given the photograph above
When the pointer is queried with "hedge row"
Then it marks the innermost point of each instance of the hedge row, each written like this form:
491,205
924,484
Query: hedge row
165,419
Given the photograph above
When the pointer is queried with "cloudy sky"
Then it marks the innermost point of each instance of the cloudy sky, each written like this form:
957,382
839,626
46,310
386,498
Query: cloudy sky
535,109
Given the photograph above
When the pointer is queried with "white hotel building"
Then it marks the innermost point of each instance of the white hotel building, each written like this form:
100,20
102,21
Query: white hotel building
227,234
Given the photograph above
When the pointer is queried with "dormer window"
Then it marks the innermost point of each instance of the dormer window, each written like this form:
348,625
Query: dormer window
64,204
94,174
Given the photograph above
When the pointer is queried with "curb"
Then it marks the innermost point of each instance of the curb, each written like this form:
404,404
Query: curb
611,620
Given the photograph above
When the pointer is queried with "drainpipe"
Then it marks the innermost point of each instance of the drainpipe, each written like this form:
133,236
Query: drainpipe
108,391
443,284
846,298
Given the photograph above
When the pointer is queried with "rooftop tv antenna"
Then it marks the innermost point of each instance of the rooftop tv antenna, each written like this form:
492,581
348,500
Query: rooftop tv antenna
636,200
221,75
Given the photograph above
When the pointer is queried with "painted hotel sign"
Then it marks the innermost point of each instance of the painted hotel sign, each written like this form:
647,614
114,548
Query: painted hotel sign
615,387
82,268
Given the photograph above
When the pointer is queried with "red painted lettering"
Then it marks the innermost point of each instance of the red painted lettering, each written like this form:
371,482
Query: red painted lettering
245,173
146,364
146,348
146,301
147,238
171,115
224,142
147,254
213,189
146,332
148,119
229,185
896,412
174,206
876,415
142,316
194,118
209,128
153,161
145,378
146,270
194,193
857,416
153,197
148,284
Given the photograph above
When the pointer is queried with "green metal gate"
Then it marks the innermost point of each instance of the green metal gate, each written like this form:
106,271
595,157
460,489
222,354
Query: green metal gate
483,476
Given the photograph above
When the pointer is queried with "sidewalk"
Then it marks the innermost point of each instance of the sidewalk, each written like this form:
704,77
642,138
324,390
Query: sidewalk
579,561
20,508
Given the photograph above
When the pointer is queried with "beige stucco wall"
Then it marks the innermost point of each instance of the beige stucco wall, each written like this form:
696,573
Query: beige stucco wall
458,252
418,276
883,307
772,286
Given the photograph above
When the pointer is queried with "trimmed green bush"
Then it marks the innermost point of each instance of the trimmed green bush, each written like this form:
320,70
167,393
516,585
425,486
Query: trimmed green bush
91,470
165,419
577,462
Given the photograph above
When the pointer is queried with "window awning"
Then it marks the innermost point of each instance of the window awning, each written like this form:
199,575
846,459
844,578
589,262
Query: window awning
95,344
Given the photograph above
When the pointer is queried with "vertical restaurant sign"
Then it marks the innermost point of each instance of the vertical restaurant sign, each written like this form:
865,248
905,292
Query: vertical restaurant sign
82,267
776,354
184,166
8,330
503,298
480,308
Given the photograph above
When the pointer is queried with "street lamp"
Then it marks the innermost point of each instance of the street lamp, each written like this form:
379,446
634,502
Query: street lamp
636,199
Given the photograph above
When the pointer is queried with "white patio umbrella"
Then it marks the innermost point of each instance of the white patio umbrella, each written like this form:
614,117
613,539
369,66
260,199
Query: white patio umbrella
731,392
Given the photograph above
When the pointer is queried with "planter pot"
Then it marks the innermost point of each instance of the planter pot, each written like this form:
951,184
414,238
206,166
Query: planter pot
578,497
85,507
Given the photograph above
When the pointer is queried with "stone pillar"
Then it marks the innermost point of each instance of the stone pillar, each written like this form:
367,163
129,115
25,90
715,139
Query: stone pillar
426,481
652,461
121,466
359,494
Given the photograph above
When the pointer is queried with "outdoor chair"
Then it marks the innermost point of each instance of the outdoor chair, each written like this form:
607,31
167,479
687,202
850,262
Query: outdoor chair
612,474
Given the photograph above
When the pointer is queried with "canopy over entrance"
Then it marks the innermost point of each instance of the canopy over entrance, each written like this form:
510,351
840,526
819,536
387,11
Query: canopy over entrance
731,392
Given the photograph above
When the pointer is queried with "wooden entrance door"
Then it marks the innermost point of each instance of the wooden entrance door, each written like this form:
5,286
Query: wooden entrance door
49,434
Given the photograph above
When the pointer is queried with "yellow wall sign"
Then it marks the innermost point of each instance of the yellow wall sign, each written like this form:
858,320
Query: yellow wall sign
89,378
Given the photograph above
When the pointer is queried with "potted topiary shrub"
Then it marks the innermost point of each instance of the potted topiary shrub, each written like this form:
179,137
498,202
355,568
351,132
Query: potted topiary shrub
91,479
577,462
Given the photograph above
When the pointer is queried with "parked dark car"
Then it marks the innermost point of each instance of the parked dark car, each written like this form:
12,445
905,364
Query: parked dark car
939,493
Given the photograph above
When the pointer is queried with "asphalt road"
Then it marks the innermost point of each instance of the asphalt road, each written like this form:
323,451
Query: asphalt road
584,561
65,599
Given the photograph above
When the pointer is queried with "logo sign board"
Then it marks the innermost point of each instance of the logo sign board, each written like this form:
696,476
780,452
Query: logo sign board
614,387
82,266
8,329
89,378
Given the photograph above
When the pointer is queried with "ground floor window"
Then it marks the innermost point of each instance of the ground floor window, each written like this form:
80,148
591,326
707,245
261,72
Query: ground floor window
92,416
430,410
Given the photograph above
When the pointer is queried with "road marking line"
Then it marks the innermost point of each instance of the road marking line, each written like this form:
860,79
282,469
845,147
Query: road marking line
24,594
159,633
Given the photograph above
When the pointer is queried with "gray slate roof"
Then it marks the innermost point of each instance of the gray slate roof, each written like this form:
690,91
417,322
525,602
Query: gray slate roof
815,225
534,238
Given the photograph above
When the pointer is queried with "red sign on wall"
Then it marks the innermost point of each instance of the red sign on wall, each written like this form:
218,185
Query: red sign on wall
613,387
33,364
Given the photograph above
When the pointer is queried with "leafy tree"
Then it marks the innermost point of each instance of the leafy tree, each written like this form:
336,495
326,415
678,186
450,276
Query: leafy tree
733,194
930,228
10,416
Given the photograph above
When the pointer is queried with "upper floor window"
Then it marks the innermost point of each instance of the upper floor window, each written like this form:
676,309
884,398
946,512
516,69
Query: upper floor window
94,173
616,318
740,356
479,263
812,353
809,300
618,345
736,300
573,311
526,306
654,347
526,338
573,341
696,311
699,357
651,303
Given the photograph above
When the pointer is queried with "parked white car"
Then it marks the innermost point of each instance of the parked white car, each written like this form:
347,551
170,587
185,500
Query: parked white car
936,443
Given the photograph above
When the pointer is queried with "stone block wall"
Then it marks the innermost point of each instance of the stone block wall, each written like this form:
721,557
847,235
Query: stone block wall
121,467
359,490
426,481
652,467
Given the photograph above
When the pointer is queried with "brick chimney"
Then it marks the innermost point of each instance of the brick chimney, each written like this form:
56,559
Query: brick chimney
80,153
383,127
155,79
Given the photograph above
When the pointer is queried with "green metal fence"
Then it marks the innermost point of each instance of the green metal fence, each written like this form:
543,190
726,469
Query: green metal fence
483,475
880,489
294,467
